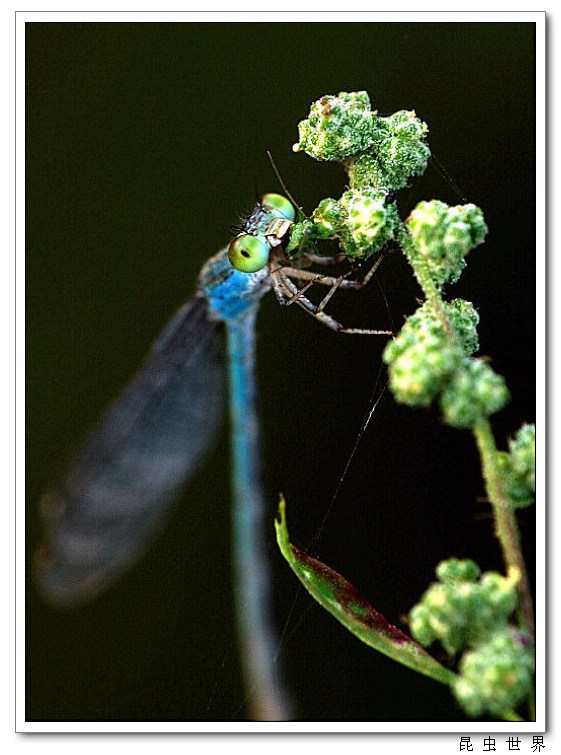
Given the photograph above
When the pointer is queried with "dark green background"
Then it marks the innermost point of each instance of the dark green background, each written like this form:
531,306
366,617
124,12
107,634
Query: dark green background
145,143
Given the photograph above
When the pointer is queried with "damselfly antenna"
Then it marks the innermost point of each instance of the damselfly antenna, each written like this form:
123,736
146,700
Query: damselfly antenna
282,183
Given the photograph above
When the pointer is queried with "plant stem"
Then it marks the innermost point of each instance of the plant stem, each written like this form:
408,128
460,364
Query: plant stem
424,278
505,519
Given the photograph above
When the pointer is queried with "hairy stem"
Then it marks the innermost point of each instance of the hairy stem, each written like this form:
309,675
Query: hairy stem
505,519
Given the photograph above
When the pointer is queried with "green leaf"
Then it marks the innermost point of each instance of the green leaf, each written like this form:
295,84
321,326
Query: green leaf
342,600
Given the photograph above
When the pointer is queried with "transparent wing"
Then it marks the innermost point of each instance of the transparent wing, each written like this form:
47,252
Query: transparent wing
121,484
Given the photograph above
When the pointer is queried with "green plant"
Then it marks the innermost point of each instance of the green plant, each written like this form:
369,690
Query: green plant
486,620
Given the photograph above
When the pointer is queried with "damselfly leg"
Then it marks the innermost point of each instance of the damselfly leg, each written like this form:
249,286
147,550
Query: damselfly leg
283,279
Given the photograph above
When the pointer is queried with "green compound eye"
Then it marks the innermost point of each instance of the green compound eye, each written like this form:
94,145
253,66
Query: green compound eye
281,206
248,253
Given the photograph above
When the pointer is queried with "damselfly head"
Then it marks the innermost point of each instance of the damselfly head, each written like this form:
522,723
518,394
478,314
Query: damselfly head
265,229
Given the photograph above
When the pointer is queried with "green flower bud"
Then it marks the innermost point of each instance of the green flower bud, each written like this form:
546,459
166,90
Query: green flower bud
519,467
330,217
443,236
401,148
499,593
443,615
337,127
459,611
421,359
302,238
473,393
366,171
464,319
496,676
458,570
361,220
379,153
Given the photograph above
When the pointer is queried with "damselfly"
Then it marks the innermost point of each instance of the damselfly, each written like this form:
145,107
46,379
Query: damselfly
121,484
